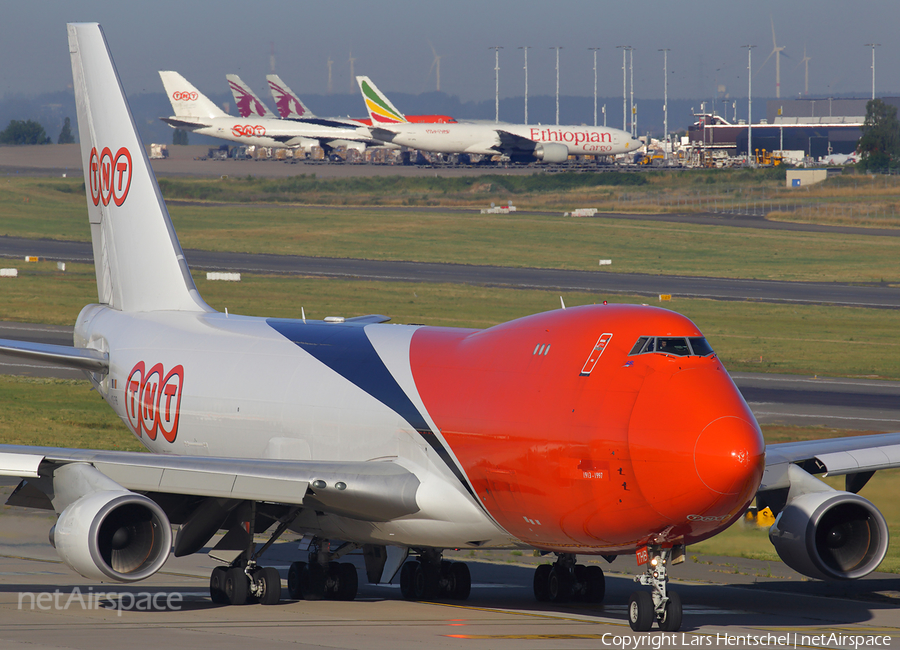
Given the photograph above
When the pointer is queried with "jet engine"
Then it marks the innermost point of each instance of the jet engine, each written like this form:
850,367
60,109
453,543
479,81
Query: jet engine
551,152
830,535
104,531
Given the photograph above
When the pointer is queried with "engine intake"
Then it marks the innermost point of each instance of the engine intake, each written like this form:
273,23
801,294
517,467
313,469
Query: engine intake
830,535
551,152
113,535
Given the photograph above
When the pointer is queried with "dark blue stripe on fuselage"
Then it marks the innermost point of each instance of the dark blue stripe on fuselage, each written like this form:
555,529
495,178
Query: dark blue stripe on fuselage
345,348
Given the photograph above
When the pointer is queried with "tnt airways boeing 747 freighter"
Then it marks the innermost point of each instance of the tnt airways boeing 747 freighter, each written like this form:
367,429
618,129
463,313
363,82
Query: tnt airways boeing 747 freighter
597,430
520,142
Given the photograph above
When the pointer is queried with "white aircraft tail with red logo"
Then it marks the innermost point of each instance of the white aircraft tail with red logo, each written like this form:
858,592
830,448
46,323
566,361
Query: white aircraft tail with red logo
186,100
139,262
289,105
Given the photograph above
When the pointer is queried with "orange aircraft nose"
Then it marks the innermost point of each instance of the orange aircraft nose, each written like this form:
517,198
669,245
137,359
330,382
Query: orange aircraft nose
696,450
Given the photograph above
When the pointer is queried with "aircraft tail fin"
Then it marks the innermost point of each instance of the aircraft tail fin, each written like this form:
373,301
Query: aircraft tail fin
138,260
246,100
186,100
289,106
381,110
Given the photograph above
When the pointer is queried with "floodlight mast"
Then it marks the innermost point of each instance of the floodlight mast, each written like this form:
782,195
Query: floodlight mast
665,52
624,49
525,49
873,46
749,103
558,48
594,49
496,49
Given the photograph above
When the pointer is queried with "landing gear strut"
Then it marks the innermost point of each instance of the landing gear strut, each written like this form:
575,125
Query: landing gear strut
432,577
565,580
323,577
659,605
244,580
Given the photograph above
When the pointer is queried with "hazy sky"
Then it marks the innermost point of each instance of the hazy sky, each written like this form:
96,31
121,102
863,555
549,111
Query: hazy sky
392,42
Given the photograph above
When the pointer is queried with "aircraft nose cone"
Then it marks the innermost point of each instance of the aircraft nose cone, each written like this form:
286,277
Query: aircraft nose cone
727,454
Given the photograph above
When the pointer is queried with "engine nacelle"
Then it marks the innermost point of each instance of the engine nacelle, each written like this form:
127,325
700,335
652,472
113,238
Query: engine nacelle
551,152
113,536
830,535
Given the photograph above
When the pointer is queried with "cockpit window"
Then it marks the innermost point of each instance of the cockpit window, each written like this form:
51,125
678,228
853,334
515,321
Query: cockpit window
675,345
700,347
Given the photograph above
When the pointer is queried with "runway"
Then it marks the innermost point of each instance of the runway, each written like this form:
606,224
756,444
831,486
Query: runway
874,295
722,596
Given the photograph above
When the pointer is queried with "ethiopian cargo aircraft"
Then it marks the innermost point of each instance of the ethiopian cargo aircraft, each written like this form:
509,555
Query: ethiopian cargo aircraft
195,113
291,107
597,430
520,142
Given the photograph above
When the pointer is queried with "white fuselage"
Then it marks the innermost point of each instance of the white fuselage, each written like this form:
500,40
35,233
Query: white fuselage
485,138
211,384
267,132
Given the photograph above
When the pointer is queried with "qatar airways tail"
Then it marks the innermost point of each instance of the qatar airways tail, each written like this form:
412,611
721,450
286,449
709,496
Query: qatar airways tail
248,104
289,105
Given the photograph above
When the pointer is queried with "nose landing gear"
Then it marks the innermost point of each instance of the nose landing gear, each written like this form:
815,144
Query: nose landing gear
660,605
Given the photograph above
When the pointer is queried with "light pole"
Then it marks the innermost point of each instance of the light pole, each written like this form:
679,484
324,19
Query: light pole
594,49
631,83
525,49
557,81
624,86
496,49
665,52
749,103
873,46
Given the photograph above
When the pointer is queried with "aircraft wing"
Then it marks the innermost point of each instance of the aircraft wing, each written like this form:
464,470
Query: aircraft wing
367,491
512,142
64,355
838,456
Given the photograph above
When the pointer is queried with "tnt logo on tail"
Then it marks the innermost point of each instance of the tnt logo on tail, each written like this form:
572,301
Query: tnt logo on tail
110,176
153,400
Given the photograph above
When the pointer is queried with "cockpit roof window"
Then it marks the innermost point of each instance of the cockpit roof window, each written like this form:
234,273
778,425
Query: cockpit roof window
674,345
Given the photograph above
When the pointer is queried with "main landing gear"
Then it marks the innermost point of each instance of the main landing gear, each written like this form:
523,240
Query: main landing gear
432,577
323,577
660,605
564,580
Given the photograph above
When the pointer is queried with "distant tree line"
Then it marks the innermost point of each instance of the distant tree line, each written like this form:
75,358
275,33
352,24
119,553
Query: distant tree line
29,132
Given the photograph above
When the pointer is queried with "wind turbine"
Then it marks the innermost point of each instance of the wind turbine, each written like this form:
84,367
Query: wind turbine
436,66
805,62
777,52
352,76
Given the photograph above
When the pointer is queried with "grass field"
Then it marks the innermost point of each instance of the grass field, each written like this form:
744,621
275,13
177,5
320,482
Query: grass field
55,208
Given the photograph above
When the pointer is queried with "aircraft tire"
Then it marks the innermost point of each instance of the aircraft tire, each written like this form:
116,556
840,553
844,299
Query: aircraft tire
312,582
542,582
407,575
269,582
237,586
640,611
425,581
460,581
293,580
348,581
217,586
560,584
596,584
671,621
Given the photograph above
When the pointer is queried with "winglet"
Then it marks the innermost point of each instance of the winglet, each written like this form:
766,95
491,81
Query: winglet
138,261
289,106
246,100
380,108
186,100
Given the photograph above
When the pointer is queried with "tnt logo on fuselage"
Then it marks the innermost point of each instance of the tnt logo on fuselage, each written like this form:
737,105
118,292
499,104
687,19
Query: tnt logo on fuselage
153,400
110,176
